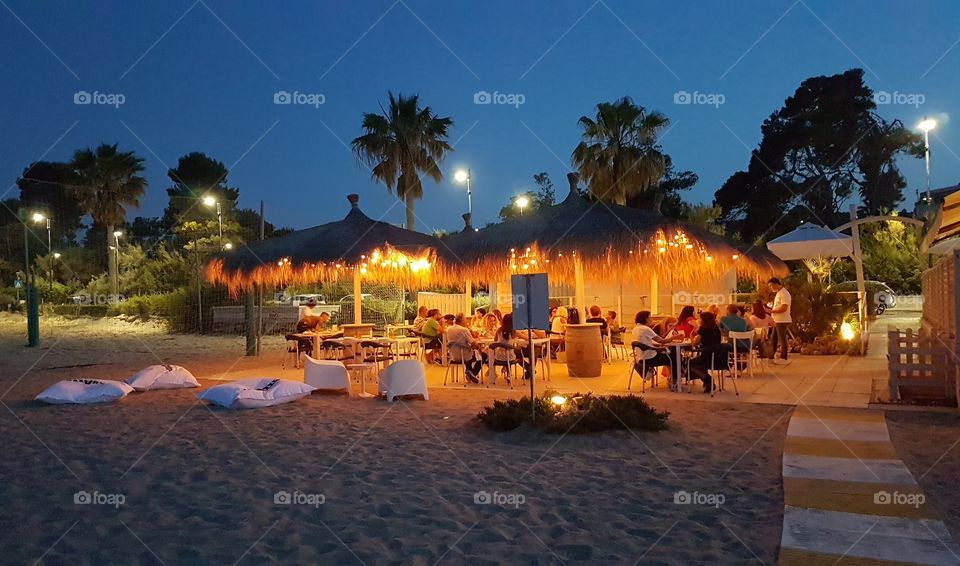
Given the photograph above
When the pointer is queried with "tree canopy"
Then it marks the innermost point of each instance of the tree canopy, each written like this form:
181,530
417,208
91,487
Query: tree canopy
825,146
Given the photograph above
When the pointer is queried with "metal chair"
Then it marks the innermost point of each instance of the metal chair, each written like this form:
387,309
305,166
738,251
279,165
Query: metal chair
510,360
332,350
458,364
637,354
376,352
616,342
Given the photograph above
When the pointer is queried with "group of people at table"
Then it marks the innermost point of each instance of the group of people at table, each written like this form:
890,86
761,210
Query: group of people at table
470,340
704,334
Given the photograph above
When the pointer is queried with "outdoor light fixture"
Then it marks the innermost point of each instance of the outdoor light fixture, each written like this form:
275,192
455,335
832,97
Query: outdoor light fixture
462,176
558,400
228,246
38,218
209,201
846,331
117,234
56,255
925,126
522,203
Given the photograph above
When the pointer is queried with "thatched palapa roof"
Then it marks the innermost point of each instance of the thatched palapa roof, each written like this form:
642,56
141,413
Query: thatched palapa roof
382,251
608,239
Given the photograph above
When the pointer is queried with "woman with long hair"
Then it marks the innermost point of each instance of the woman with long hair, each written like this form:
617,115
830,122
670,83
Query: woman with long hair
508,336
686,322
712,351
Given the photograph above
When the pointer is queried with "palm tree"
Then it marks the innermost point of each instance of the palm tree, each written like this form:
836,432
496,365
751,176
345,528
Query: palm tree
618,155
402,143
109,182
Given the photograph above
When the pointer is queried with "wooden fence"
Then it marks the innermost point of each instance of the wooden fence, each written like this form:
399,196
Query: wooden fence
940,296
922,366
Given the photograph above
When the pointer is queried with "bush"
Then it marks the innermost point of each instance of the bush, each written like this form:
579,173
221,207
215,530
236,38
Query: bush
73,311
579,414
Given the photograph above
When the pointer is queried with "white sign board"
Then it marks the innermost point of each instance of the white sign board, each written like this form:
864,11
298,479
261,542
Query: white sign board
530,297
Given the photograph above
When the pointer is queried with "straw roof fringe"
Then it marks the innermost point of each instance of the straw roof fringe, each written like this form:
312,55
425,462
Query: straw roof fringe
383,252
607,238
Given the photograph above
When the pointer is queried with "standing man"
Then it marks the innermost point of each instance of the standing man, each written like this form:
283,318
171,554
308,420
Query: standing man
781,317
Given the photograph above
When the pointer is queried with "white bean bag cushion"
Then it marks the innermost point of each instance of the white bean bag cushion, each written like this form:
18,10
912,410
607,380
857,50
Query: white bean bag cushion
162,377
254,393
84,391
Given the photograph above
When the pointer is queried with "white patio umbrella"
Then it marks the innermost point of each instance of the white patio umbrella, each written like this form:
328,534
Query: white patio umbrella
811,241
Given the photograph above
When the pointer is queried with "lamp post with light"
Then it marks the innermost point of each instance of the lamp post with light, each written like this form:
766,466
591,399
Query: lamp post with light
925,126
39,218
116,256
211,201
462,176
521,202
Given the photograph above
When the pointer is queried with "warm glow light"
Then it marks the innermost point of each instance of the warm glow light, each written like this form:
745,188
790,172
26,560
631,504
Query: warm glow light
927,124
228,246
209,201
522,202
37,217
56,255
558,400
846,331
460,176
736,257
117,234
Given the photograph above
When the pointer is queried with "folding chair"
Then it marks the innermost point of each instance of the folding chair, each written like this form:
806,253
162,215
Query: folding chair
741,354
616,342
508,363
637,354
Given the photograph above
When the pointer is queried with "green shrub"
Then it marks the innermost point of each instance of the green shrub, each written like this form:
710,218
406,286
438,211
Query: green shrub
6,301
578,414
73,311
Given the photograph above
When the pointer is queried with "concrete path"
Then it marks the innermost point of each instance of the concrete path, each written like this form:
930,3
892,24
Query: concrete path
848,499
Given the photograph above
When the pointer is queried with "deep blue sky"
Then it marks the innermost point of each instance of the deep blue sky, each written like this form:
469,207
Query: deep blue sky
205,81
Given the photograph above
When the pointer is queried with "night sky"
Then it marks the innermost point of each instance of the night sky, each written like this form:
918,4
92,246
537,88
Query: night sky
202,76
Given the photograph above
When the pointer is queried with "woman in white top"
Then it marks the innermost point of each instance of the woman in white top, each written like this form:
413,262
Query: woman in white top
654,353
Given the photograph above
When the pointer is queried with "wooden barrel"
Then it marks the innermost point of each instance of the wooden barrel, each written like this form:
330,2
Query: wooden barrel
584,349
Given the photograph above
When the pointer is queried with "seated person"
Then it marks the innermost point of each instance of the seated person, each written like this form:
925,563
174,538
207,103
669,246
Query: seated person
490,326
507,335
612,321
595,317
655,354
732,322
476,323
666,327
421,318
464,349
557,329
686,322
759,317
431,333
712,352
447,321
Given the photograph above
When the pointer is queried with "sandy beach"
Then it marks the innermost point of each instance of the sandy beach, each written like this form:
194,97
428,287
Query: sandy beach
398,483
375,483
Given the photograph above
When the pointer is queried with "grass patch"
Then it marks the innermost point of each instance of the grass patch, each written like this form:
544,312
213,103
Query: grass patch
578,414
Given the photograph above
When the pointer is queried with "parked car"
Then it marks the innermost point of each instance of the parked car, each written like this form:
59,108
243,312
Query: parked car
880,294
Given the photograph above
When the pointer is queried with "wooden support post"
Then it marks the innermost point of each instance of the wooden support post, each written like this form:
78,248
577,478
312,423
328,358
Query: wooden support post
357,297
468,299
250,320
579,293
654,294
861,287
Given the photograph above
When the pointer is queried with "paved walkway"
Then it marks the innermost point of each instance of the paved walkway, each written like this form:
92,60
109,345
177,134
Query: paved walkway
848,499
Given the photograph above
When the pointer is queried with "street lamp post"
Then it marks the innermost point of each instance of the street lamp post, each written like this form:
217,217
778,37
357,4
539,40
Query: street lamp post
116,251
926,125
462,176
38,218
33,306
211,201
521,203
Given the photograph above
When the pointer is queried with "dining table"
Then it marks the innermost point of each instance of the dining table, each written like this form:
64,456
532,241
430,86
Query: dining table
524,345
677,367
